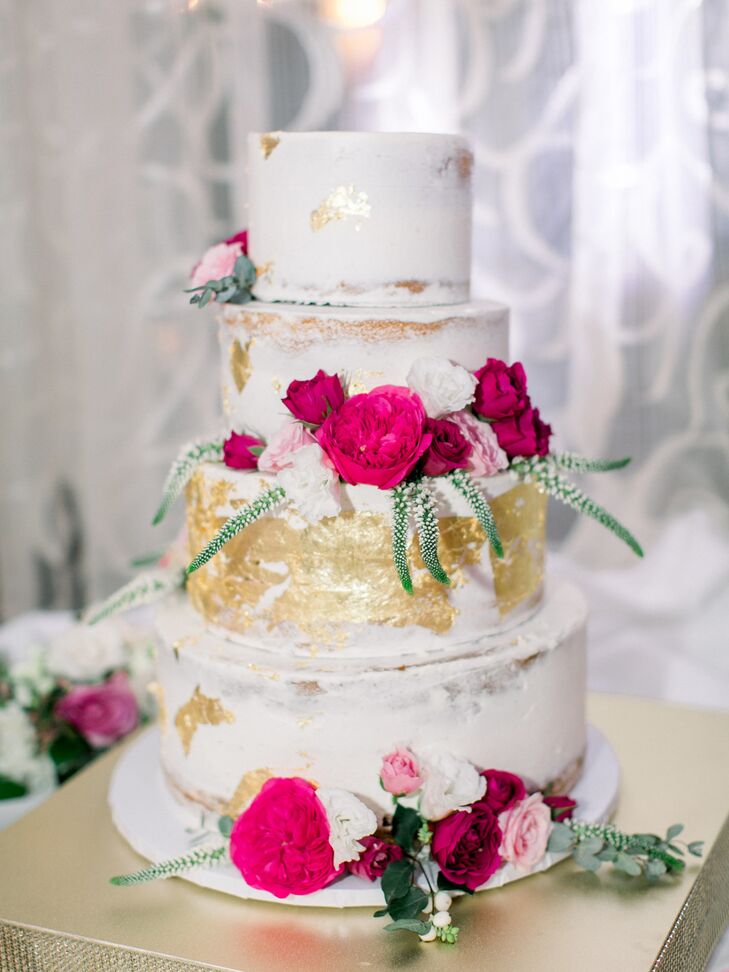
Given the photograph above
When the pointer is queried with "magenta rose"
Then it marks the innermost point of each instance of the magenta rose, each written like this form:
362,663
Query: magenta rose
312,400
501,390
449,448
281,842
561,806
502,789
526,827
242,451
240,237
376,438
375,857
466,845
100,713
523,435
400,772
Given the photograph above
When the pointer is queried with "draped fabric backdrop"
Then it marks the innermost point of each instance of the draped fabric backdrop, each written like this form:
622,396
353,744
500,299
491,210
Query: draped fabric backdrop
601,133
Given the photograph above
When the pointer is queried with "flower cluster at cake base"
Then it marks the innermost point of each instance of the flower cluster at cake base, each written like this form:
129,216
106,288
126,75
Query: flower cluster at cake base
452,829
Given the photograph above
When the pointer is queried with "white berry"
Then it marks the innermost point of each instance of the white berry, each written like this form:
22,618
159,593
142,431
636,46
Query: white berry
443,901
429,936
441,919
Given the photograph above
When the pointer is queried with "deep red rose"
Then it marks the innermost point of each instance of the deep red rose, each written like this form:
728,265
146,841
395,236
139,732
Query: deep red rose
242,451
562,806
375,857
240,237
312,400
501,391
502,789
523,435
376,438
466,845
449,449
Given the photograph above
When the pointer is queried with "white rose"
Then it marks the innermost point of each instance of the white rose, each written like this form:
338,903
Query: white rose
30,678
442,386
311,484
349,821
449,784
18,745
140,650
84,652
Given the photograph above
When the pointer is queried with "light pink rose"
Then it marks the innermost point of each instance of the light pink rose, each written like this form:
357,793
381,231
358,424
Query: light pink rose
218,261
101,713
487,457
282,445
525,826
400,773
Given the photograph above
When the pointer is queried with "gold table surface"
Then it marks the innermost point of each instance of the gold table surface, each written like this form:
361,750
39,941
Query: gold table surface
58,911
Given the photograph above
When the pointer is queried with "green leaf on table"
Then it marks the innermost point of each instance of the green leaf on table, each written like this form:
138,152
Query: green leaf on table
406,823
69,752
409,924
409,906
627,864
587,860
608,854
592,845
561,839
397,879
655,868
696,847
381,913
673,831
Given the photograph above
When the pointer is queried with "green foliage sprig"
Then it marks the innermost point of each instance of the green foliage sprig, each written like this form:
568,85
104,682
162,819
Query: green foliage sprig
400,520
144,589
187,461
480,506
172,867
233,289
426,522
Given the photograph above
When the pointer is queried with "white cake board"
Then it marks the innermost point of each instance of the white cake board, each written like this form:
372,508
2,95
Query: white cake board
146,815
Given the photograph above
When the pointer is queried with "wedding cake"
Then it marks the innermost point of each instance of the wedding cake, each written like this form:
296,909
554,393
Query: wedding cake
301,649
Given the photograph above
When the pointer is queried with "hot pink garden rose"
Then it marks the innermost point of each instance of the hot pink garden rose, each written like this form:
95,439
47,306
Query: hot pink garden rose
502,789
101,713
526,827
487,457
376,438
466,845
524,434
217,262
281,843
400,773
449,448
281,447
242,451
312,400
375,857
501,390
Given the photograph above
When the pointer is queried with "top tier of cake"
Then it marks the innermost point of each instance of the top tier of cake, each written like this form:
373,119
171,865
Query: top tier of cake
356,218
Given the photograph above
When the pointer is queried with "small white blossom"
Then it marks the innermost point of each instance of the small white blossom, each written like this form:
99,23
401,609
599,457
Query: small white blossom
450,784
349,821
139,645
19,759
30,678
442,386
84,652
311,484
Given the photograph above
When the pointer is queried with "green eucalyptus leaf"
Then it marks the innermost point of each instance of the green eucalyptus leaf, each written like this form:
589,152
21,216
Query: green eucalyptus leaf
591,845
406,823
608,854
225,825
627,864
696,847
225,295
205,298
673,831
409,924
397,879
409,906
585,859
561,839
381,913
655,868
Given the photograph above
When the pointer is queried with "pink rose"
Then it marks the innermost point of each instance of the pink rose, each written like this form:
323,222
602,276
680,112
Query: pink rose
375,857
400,773
376,438
449,448
523,435
466,845
282,445
280,843
502,789
242,451
501,390
561,807
101,713
487,457
525,826
312,400
240,237
217,262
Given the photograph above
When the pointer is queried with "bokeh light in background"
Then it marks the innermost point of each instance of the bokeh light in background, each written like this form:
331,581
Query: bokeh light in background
351,14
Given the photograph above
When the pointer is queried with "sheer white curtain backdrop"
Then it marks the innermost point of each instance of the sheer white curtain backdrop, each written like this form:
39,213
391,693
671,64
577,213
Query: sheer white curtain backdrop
602,218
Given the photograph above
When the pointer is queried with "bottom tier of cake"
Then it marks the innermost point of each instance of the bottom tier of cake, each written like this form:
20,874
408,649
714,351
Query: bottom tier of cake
233,715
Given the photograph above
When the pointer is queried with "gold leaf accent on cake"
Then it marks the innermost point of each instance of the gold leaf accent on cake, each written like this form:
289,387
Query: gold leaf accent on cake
521,515
240,363
341,202
199,710
268,142
158,693
413,286
248,788
264,270
364,381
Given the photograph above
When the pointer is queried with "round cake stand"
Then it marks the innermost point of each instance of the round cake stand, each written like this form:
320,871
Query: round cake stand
146,815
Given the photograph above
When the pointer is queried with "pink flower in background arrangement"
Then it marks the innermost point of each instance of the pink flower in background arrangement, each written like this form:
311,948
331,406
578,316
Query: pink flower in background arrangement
502,789
281,843
282,446
242,451
312,400
526,826
375,858
523,435
217,262
100,713
487,457
449,448
400,772
376,438
501,390
466,845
